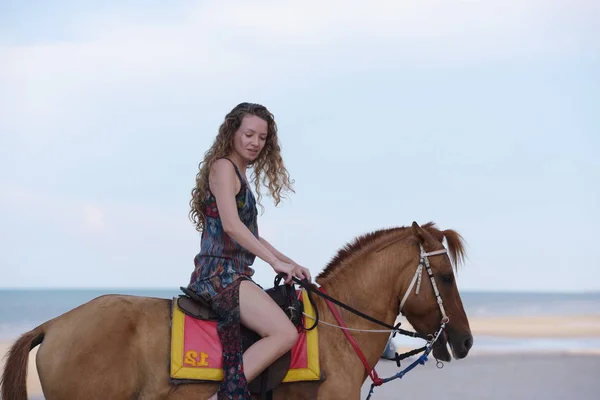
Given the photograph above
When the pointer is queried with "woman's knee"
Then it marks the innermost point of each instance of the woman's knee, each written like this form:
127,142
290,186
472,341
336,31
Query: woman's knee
289,335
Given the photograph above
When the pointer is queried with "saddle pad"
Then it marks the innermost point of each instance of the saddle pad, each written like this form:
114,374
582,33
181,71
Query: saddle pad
196,351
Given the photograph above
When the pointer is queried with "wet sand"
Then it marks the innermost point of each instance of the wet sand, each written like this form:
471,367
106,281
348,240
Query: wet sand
479,377
495,377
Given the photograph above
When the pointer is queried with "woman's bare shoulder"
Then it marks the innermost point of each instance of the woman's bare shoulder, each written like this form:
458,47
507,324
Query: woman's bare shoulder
222,173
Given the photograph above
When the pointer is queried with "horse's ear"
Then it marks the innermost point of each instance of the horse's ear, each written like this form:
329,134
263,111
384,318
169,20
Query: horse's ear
417,231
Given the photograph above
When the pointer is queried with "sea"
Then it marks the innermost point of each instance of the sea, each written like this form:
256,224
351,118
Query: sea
23,309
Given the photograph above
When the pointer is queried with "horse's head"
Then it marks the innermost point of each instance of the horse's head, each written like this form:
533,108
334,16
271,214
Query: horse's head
419,300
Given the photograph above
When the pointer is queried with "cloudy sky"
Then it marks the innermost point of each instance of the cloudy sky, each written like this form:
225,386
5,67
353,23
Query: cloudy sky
479,115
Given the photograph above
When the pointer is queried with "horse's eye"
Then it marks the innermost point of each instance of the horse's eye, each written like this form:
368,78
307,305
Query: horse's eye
447,278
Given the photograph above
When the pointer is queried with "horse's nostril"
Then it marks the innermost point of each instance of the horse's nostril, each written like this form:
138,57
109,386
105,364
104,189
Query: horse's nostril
469,342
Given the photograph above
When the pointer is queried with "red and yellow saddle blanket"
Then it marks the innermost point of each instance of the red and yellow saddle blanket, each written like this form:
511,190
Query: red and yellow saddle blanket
196,351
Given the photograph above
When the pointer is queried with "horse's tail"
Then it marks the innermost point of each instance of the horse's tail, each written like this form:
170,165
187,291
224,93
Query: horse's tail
13,384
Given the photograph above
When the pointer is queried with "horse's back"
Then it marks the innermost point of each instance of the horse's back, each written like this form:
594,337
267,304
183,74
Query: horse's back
104,343
111,318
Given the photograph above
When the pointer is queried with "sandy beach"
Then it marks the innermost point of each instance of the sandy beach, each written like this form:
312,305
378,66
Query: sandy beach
495,377
479,377
516,375
34,390
571,326
537,326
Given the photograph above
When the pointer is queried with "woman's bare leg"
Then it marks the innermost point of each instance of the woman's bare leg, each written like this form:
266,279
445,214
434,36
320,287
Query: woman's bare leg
259,313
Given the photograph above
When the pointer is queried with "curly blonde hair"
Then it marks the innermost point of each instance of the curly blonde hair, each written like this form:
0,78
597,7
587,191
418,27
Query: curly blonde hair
268,167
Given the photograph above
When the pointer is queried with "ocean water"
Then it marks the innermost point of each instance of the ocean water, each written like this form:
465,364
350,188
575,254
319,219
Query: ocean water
22,310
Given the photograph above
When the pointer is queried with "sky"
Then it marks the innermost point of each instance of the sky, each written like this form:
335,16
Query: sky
481,116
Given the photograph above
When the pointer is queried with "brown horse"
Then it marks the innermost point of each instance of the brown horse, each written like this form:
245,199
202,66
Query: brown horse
117,347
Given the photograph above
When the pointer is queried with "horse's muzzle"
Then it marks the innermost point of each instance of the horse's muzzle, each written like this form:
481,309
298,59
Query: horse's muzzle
461,346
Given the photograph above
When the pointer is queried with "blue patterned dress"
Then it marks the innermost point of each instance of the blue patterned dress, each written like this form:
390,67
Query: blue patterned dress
219,269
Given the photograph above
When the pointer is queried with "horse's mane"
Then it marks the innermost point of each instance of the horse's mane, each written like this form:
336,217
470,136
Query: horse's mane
353,247
455,242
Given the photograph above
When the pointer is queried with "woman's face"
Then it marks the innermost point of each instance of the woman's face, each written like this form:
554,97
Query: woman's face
250,138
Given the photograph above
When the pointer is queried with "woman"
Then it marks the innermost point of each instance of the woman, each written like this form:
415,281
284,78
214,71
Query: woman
223,208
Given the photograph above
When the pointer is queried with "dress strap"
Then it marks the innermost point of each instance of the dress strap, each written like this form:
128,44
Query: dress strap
237,171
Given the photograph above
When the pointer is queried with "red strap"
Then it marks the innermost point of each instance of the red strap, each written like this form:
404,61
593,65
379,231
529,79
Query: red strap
372,373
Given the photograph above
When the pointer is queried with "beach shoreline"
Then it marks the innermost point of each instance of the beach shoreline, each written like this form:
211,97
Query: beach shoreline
555,326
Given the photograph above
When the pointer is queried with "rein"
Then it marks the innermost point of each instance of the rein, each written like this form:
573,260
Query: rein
321,292
431,339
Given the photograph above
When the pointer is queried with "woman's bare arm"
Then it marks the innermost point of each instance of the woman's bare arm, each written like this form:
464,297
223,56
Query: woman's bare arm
276,252
222,182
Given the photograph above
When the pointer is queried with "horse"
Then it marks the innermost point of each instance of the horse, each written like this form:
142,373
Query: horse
117,346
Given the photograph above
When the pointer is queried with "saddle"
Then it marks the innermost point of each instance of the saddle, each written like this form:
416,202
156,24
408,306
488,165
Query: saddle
286,298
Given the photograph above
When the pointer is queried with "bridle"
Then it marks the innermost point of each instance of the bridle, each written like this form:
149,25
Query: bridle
424,263
430,338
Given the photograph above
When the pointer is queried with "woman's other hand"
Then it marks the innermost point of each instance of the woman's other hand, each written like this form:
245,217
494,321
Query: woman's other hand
291,270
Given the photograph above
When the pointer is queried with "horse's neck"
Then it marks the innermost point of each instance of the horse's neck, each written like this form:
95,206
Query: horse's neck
369,288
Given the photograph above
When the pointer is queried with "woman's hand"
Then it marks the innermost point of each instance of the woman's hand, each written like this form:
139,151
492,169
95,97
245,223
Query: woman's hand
291,270
302,272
